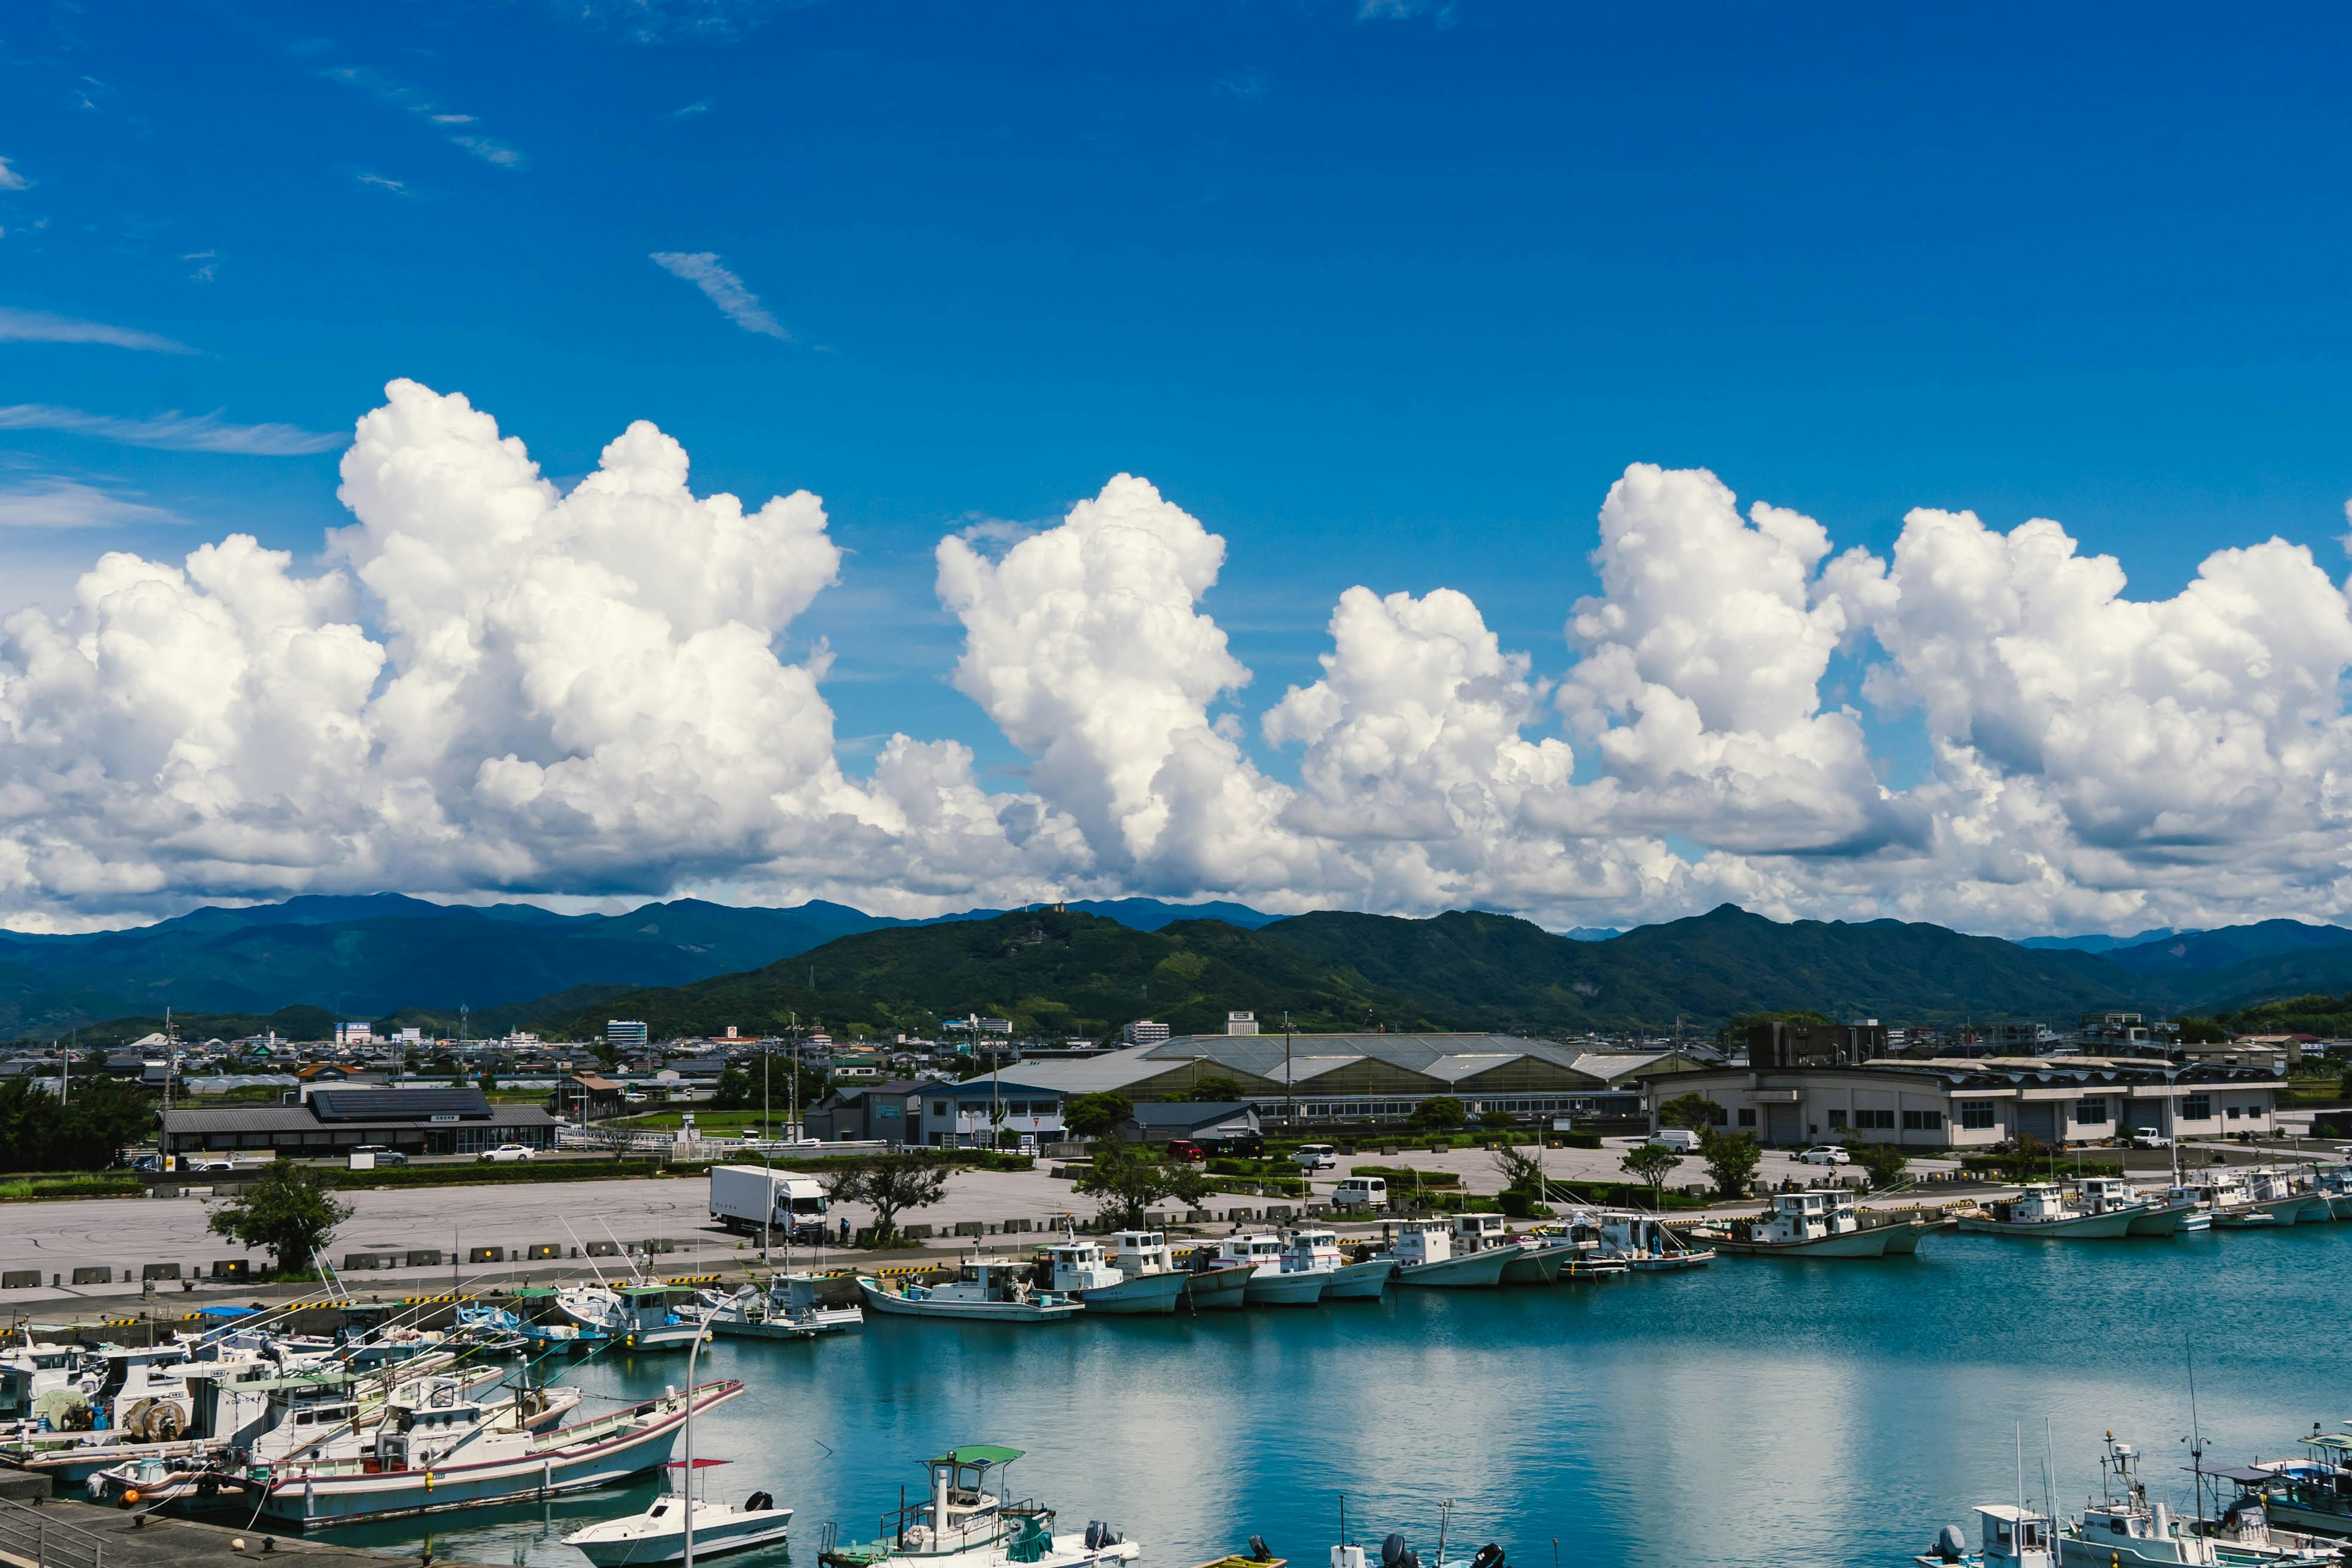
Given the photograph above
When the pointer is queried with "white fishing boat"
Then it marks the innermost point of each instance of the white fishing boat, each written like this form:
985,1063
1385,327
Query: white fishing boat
962,1524
1211,1285
1492,1232
1146,1254
1645,1244
1813,1224
2009,1536
1425,1258
1080,1271
658,1533
426,1461
789,1308
2313,1493
2124,1530
1269,1284
1366,1279
2151,1214
985,1292
2042,1212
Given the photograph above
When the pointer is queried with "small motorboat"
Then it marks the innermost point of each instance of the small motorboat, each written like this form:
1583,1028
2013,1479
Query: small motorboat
1813,1224
658,1534
963,1524
1425,1257
987,1292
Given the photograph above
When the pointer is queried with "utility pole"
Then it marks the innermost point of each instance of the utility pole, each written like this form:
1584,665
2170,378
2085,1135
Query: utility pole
1289,1097
166,1121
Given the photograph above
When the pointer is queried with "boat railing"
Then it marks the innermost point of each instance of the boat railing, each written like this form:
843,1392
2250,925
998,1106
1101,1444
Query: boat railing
30,1534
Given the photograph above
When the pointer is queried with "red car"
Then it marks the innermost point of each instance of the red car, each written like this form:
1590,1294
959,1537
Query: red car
1186,1150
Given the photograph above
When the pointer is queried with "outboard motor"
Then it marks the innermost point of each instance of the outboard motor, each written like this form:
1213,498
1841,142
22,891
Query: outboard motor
1489,1556
1258,1553
757,1502
1950,1545
1100,1535
1391,1552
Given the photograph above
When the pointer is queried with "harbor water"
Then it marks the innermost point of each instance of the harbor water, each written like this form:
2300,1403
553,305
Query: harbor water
1759,1410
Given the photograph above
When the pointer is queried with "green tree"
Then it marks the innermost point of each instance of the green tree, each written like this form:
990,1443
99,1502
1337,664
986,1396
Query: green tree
291,1210
2024,1160
1734,1033
1097,1115
1215,1088
1439,1113
890,1184
607,1055
1650,1163
1884,1163
489,1081
737,1089
88,1132
1731,1160
2201,1032
1521,1171
1693,1110
1125,1183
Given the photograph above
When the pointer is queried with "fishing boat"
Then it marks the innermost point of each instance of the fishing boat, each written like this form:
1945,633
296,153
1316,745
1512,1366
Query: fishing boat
789,1308
1269,1284
658,1533
427,1459
2009,1536
2151,1215
1645,1244
1080,1271
1526,1265
2313,1493
1425,1258
982,1291
1813,1224
2124,1530
1211,1284
962,1524
639,1316
1365,1277
1145,1254
2041,1213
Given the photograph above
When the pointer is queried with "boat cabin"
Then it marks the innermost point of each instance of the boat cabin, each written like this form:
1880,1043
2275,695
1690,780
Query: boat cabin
2014,1538
1261,1251
1310,1250
2041,1202
1477,1232
2105,1195
1078,1266
1422,1241
1136,1252
1807,1216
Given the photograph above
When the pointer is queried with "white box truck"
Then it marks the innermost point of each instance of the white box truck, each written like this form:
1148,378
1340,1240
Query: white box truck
747,1198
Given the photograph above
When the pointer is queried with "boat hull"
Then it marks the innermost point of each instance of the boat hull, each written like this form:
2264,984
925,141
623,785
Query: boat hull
1366,1282
1218,1289
741,1533
877,1299
1471,1271
1880,1241
2339,1205
1140,1293
1303,1287
2081,1228
619,1451
2161,1219
1537,1265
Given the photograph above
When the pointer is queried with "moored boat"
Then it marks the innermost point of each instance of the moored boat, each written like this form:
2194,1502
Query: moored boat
1080,1271
962,1524
2151,1213
1811,1224
1270,1284
658,1534
990,1292
2041,1211
1425,1258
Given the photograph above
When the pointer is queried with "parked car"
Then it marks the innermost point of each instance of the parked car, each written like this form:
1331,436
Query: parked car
1316,1157
1825,1155
207,1163
1681,1140
383,1156
507,1152
1184,1149
2149,1138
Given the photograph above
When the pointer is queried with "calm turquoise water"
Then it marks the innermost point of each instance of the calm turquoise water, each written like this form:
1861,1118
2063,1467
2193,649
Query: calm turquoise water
1754,1412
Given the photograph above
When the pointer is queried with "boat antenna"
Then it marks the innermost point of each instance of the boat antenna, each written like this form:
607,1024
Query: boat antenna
2048,1473
1444,1515
2196,1437
1343,1511
2017,1431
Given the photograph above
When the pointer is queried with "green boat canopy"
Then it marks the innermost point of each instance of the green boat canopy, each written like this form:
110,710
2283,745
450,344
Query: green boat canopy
981,1454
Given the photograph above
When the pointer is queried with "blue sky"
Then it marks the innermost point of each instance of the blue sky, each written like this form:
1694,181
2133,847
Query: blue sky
1385,295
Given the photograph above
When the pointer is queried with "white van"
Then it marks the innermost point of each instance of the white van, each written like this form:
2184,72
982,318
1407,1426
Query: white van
1316,1157
1360,1191
1681,1140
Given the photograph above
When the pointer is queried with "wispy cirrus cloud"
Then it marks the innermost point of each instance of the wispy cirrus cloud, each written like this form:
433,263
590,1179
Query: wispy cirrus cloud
723,288
52,502
415,101
46,327
10,180
172,431
383,182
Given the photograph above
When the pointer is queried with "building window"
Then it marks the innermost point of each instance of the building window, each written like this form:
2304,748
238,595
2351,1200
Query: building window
1872,1118
1976,1114
1837,1117
2233,1113
1747,1116
1923,1121
938,1108
1716,1115
2091,1110
2197,1108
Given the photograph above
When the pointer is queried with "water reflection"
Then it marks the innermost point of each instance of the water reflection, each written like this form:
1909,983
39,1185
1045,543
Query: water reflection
1757,1410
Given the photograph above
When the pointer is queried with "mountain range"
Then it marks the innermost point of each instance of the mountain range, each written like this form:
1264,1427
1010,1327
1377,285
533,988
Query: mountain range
689,966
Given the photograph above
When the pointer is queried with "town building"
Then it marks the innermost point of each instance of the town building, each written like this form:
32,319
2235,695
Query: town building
328,1122
1978,1101
1374,1077
626,1034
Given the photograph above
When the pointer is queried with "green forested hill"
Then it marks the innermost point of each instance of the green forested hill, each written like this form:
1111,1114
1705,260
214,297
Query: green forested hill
1078,974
